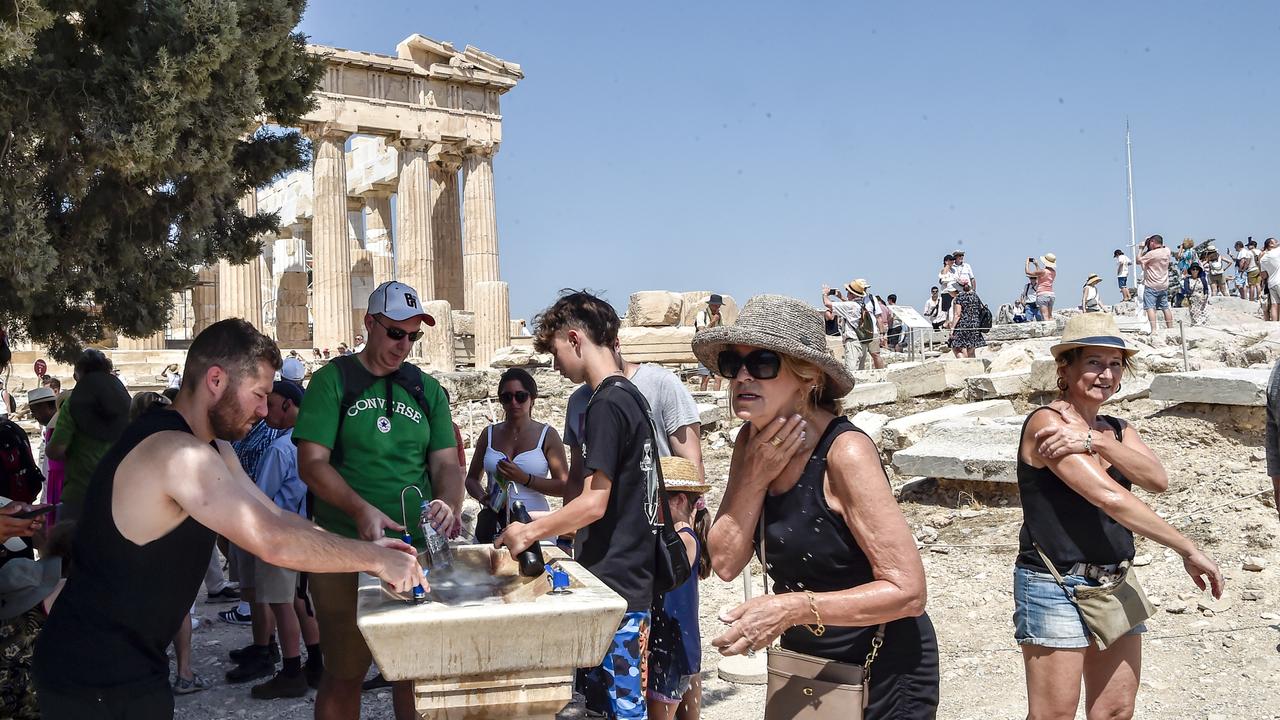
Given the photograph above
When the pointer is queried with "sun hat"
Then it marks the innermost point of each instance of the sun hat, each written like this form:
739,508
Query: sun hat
25,582
40,394
715,299
681,475
398,301
784,325
1049,260
1093,279
858,287
1097,329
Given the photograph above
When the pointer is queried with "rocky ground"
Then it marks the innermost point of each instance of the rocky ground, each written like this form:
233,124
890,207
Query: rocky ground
1203,658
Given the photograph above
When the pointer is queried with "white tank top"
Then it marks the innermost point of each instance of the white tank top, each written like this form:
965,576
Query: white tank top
532,461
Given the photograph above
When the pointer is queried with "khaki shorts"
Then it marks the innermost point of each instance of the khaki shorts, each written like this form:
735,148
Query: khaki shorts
346,656
1255,277
274,585
241,567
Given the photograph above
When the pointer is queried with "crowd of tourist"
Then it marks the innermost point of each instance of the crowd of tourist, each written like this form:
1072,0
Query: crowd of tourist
304,484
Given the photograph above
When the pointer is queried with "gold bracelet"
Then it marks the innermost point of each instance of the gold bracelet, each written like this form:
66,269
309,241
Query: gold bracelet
821,629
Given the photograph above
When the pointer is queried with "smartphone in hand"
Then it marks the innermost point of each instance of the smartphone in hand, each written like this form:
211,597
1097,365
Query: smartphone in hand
37,511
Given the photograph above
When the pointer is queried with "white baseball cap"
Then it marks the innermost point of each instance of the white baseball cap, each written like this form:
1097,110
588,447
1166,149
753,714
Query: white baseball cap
293,369
398,301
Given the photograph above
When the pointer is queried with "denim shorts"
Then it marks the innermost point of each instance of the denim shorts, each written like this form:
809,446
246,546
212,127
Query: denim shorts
1122,281
1045,300
1044,616
1155,299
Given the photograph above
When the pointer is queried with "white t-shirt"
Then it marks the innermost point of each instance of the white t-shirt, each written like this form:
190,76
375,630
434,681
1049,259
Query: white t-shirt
1217,267
962,271
1122,265
947,281
1090,297
1270,264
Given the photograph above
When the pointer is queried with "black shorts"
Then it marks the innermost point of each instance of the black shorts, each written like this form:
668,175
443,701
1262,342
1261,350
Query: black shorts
946,302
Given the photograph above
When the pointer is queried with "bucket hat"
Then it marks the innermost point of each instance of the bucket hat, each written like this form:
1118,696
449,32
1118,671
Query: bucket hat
681,475
784,325
1097,329
25,582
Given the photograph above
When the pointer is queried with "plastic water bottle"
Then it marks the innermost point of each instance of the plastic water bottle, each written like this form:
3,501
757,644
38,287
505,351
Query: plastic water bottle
419,592
438,553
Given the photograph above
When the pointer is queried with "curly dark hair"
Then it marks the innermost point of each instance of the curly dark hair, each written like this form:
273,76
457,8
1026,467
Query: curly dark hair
577,310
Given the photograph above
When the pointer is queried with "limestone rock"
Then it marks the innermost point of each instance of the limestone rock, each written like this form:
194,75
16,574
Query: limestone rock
708,414
1026,331
464,386
1216,606
868,394
1253,563
464,322
933,377
906,431
655,308
964,450
519,356
695,301
1253,594
1012,357
1225,386
998,384
657,344
872,424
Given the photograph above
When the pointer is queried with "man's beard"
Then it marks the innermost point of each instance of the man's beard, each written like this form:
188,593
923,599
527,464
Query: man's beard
228,421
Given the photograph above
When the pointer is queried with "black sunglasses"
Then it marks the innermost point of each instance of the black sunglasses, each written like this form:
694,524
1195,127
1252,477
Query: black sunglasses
396,333
761,364
519,396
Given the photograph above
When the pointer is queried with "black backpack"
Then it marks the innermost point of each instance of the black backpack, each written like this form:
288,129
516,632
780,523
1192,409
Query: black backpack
984,317
356,380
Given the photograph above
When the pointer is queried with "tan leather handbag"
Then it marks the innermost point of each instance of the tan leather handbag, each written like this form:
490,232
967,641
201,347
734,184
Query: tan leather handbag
805,687
1110,611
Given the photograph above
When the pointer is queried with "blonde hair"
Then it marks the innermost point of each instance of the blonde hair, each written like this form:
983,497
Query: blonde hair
810,376
1188,242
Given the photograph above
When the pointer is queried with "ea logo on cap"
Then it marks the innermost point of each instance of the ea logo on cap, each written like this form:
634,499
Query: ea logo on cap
384,424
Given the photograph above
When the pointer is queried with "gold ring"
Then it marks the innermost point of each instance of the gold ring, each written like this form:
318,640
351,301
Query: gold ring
776,442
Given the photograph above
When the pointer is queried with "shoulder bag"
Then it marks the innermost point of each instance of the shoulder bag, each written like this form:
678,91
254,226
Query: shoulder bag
1110,611
806,687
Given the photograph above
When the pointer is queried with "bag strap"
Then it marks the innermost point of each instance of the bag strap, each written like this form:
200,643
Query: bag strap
617,380
1053,569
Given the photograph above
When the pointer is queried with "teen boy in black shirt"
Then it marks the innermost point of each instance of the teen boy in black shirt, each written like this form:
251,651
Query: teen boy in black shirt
612,515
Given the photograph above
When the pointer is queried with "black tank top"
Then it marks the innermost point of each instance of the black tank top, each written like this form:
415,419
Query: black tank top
1069,528
810,547
123,603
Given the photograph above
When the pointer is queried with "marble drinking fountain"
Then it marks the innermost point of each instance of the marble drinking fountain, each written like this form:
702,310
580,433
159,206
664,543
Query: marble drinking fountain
490,643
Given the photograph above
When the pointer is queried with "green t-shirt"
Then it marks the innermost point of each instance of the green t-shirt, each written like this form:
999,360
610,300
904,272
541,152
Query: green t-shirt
83,454
379,456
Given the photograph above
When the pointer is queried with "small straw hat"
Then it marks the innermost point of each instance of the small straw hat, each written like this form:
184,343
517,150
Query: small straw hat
1097,329
681,475
1049,260
784,325
1093,279
858,287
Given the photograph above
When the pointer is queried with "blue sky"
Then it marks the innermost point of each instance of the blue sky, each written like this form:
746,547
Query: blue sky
750,147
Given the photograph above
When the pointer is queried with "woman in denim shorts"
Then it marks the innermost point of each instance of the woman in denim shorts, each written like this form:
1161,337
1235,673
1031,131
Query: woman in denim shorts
1075,468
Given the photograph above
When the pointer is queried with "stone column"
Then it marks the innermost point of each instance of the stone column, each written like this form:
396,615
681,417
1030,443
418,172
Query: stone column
331,248
288,261
204,299
446,227
436,346
377,239
361,287
480,224
493,321
240,286
415,251
151,342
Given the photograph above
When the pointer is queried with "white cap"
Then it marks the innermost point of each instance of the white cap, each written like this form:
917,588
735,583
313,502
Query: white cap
397,301
293,369
40,394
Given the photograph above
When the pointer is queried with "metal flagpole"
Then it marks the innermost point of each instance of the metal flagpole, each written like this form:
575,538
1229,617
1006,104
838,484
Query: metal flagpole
1133,228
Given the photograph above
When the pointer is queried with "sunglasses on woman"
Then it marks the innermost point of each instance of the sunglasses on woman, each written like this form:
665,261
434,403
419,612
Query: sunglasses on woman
396,333
519,396
760,364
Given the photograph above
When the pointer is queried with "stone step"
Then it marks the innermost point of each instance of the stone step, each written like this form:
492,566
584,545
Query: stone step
1223,386
907,431
933,377
972,449
998,385
868,394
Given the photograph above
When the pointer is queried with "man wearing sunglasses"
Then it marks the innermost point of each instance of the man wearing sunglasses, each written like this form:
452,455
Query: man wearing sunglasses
373,424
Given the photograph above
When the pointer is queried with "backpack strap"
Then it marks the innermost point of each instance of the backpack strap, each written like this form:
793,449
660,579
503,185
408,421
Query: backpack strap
618,380
356,380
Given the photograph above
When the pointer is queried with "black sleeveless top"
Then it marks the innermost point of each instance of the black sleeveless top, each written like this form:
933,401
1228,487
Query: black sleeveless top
1069,528
809,547
123,603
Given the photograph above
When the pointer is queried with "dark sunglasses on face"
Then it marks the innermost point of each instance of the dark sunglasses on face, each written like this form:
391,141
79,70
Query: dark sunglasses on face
519,396
760,364
396,333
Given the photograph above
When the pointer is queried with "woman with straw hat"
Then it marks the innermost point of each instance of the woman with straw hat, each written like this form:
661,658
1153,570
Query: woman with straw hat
1043,278
1090,302
806,489
1075,470
1195,290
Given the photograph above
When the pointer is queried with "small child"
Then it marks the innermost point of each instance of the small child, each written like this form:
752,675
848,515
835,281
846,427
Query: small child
675,643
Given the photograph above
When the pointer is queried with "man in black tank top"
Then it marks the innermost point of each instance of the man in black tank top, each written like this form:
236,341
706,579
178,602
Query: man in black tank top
140,553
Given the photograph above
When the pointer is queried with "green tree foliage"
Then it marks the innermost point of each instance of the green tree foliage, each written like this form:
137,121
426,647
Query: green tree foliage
128,132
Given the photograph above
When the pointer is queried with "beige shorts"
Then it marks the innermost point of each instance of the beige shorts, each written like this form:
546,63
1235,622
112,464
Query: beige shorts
240,565
274,585
346,656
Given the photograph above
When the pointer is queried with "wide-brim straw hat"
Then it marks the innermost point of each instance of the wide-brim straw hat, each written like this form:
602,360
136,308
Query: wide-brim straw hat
681,475
784,325
1049,260
858,287
1093,279
1092,330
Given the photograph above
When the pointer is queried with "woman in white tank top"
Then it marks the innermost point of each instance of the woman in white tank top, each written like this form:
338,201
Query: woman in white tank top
524,460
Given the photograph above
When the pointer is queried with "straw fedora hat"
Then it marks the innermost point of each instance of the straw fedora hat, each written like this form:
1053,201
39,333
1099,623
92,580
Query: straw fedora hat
1097,329
858,287
784,325
681,475
1093,279
1049,260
